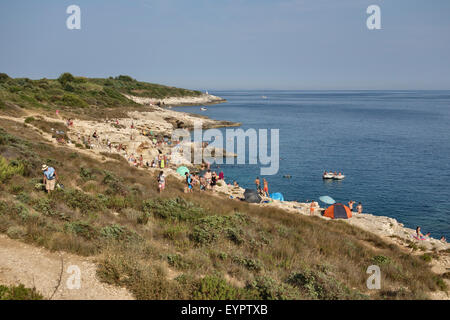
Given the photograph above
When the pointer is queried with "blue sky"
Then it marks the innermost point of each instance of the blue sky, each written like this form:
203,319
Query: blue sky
233,44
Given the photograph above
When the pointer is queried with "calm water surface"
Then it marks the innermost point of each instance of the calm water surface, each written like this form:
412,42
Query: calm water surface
393,147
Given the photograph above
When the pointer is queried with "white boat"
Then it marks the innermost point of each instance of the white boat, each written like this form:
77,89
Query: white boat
329,175
203,109
339,177
264,97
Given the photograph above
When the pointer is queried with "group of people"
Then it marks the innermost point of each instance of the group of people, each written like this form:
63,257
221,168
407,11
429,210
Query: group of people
420,236
207,181
359,207
264,191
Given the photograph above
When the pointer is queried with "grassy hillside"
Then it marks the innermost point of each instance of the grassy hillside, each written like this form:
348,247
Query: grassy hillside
78,92
178,246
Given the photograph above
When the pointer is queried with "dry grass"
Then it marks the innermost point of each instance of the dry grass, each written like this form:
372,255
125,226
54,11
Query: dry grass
182,246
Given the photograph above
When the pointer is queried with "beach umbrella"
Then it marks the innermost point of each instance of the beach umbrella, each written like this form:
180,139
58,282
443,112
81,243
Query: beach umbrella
182,171
327,200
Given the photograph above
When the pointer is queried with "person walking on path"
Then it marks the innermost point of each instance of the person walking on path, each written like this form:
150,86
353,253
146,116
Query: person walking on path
50,177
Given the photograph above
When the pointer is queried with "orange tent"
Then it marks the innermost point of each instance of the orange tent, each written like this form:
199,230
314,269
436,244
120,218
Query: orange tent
338,211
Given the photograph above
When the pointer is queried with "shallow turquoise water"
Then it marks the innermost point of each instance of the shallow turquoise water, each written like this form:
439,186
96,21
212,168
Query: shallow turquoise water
393,147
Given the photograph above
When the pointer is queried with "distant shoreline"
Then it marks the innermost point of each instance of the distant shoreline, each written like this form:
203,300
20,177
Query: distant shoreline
204,99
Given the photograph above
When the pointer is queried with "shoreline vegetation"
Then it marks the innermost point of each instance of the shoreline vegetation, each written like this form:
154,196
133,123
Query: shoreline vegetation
173,245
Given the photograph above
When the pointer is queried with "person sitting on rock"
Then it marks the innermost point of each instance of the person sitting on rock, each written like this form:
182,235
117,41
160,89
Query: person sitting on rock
419,234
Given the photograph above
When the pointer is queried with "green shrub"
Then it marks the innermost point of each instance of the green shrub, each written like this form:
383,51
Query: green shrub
173,232
125,78
10,169
19,293
24,198
250,264
21,211
65,78
73,100
319,284
86,174
177,261
380,260
172,209
266,288
16,189
45,206
440,283
29,119
4,77
81,228
68,87
113,231
208,229
114,183
215,288
426,257
235,235
16,232
77,199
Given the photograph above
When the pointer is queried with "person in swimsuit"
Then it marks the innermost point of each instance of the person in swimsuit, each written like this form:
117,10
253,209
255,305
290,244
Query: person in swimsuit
312,207
350,205
188,182
266,187
258,184
161,181
208,177
359,207
419,234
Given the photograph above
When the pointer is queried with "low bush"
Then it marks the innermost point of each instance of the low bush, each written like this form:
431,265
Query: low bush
266,288
19,293
176,209
215,288
10,169
81,228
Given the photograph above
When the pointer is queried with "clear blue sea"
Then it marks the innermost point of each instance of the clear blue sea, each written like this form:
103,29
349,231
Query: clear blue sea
393,147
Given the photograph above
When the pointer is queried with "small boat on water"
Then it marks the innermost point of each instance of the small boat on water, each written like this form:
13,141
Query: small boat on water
264,97
331,175
203,109
328,175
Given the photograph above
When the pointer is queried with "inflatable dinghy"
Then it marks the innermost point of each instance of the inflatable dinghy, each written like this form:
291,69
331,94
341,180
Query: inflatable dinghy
328,176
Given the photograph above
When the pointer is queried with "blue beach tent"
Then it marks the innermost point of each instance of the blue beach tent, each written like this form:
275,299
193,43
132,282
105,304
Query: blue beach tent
277,196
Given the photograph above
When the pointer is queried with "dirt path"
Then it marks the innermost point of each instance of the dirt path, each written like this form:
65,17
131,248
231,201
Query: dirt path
40,268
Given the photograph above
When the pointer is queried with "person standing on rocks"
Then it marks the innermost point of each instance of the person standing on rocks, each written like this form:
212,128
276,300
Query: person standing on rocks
266,187
258,184
350,205
359,207
312,207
